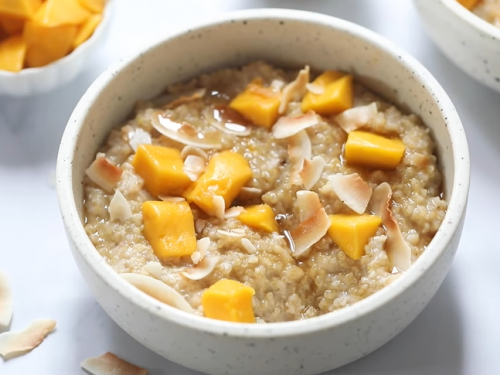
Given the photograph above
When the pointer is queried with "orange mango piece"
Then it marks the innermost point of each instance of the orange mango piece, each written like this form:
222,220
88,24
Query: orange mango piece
96,6
469,4
12,52
87,29
260,216
11,25
162,169
24,9
56,13
230,301
169,228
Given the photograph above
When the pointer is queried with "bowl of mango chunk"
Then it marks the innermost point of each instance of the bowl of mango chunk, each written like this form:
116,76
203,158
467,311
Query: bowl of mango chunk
47,43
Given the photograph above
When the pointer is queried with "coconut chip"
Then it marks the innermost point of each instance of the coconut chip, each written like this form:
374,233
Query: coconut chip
308,203
299,146
110,364
287,126
158,290
315,89
139,137
219,206
168,198
295,90
103,173
13,344
154,268
202,269
199,225
357,117
419,160
198,94
230,234
398,251
192,150
277,84
202,246
352,190
311,171
248,245
119,208
6,302
233,212
194,166
309,232
182,132
227,127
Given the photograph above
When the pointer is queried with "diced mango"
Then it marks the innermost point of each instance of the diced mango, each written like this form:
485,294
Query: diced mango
352,232
56,13
87,29
162,169
469,4
373,151
24,9
12,52
229,300
96,6
11,25
169,228
336,97
260,216
227,172
258,104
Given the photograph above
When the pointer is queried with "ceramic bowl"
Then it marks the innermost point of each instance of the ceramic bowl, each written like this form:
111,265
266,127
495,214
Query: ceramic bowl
32,81
467,40
288,38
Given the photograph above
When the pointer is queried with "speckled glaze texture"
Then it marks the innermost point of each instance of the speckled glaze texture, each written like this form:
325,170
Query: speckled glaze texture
288,38
470,42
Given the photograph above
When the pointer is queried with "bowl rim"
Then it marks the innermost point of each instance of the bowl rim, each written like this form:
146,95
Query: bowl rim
435,250
73,55
472,19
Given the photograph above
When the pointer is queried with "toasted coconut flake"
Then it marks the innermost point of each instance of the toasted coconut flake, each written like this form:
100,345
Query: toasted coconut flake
167,198
311,171
110,364
119,208
239,230
419,160
233,212
198,94
203,246
139,137
299,146
191,150
357,117
248,245
6,302
277,84
219,206
182,132
194,166
309,232
230,234
217,119
158,290
103,173
398,251
315,89
308,203
196,257
295,90
287,126
352,190
202,269
154,268
199,225
13,344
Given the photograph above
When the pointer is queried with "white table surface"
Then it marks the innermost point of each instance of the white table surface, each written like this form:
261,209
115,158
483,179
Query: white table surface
458,333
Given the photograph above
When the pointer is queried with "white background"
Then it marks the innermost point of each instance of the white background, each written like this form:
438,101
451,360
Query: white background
458,333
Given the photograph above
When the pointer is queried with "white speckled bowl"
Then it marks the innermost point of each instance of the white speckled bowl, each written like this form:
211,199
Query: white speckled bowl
290,38
470,42
32,81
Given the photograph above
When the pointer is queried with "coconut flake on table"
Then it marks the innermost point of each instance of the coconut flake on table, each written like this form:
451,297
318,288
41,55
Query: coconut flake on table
315,89
352,190
398,251
104,173
308,203
158,290
139,137
119,207
6,302
154,268
248,245
13,344
194,166
192,150
295,90
219,206
357,117
309,232
204,268
286,126
110,364
186,98
168,198
233,212
311,171
182,132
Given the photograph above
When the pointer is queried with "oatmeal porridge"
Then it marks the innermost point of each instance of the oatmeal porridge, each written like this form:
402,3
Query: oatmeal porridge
264,195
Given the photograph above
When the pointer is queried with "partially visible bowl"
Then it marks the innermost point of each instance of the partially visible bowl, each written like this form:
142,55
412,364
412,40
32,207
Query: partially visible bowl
287,38
470,42
33,81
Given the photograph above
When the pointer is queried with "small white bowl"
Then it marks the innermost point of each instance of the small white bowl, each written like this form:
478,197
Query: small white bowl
470,42
32,81
289,38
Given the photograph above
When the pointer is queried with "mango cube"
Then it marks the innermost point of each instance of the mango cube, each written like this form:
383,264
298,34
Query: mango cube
11,25
227,172
373,151
352,232
260,216
96,6
87,29
12,52
229,300
24,9
336,97
258,104
162,169
56,13
169,228
469,4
